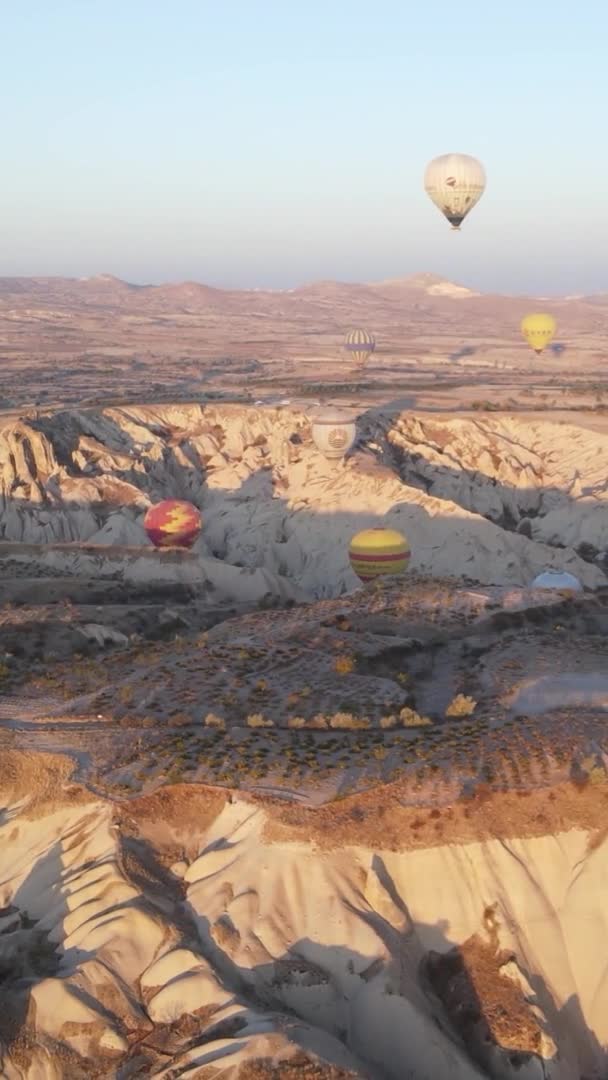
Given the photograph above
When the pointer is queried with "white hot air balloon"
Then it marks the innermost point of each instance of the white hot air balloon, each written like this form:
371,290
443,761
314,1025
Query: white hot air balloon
455,183
333,431
554,579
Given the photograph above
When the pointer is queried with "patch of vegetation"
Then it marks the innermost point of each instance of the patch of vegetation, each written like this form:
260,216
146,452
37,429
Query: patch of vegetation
213,721
410,718
387,722
258,720
347,722
344,665
486,406
461,705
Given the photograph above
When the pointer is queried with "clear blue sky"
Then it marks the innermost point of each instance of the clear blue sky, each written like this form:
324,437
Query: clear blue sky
273,142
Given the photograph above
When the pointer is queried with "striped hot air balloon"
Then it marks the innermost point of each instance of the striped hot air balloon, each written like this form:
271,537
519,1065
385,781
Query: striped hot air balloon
172,523
374,552
360,344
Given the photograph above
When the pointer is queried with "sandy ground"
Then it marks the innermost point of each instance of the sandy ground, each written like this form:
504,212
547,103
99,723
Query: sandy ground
183,929
98,340
258,820
365,895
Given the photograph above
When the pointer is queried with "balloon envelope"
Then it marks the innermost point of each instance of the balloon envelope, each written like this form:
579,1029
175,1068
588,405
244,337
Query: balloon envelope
173,523
360,344
556,579
538,328
455,183
333,431
374,552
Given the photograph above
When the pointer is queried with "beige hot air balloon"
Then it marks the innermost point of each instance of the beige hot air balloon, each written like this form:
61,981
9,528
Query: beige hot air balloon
333,431
538,328
455,183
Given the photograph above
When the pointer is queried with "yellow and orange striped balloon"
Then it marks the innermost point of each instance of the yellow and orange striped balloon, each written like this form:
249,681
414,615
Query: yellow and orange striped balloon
374,552
173,523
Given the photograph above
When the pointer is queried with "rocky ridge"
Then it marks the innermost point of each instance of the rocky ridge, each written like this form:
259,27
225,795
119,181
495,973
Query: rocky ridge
496,501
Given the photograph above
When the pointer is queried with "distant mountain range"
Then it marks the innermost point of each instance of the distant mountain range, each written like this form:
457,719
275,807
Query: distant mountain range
105,288
63,321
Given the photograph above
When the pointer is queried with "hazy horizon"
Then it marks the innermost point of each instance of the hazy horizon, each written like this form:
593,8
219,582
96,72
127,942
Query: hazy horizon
271,147
554,296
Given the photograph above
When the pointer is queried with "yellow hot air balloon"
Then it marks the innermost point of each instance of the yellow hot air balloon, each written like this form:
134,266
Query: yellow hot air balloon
374,552
538,330
360,344
455,183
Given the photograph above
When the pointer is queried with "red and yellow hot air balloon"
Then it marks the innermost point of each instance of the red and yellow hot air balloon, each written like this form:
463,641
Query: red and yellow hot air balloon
172,523
374,552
